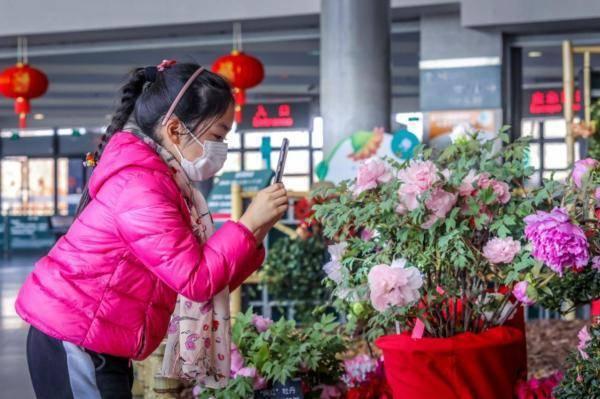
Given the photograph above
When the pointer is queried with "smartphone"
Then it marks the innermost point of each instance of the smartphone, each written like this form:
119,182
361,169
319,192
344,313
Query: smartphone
281,162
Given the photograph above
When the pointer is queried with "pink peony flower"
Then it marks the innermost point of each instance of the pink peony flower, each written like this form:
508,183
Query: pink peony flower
262,324
596,263
416,179
333,268
239,370
520,292
196,391
394,285
467,186
581,169
556,241
538,388
370,174
368,235
237,361
440,202
501,189
501,250
329,392
584,337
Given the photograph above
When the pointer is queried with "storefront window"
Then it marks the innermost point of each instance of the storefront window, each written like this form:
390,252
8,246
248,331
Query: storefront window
40,176
12,184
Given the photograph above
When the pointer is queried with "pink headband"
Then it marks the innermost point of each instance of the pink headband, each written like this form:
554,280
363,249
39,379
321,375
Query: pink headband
180,94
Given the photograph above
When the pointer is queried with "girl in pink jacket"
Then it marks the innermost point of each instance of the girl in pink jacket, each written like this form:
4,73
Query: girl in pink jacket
105,292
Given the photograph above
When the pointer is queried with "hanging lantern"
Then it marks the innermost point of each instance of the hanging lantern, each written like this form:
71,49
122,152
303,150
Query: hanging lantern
23,82
241,70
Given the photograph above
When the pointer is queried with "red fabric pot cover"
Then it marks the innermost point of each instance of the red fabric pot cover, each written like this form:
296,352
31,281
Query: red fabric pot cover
466,366
595,311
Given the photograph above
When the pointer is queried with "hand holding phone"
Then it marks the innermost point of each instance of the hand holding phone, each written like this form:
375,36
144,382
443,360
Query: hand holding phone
281,162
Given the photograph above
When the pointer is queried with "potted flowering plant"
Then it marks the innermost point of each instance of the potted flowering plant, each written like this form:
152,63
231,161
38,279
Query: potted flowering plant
582,378
430,250
364,379
278,360
565,242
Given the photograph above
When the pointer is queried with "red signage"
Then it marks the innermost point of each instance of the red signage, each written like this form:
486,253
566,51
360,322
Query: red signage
275,116
549,102
262,119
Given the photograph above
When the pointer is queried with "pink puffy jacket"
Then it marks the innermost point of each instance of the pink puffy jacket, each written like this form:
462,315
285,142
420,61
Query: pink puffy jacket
110,284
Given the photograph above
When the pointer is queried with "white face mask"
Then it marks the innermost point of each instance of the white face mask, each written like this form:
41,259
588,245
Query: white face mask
214,155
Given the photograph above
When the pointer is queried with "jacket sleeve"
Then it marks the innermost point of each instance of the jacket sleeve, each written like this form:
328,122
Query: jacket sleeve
157,231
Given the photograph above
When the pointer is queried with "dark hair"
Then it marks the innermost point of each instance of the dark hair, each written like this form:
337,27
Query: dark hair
148,95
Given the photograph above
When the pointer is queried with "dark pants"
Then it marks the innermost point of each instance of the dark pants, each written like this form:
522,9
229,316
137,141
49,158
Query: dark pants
61,370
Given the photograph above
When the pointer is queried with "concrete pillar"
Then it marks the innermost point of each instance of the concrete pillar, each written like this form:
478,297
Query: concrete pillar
460,78
355,67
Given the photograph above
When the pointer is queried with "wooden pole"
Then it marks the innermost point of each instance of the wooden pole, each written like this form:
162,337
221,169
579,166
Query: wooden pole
568,87
587,88
237,208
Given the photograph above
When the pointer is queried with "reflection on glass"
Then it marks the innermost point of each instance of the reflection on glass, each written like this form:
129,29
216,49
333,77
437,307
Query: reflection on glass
233,140
296,183
555,128
253,160
317,132
534,155
297,138
297,161
555,156
233,162
12,184
41,187
559,175
530,128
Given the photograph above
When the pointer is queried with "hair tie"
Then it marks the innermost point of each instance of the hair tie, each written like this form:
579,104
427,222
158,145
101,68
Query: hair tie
150,73
165,64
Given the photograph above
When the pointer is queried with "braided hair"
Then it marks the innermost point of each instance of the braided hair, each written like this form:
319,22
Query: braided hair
149,93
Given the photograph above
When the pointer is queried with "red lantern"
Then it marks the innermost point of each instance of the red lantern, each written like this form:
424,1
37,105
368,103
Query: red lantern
23,83
243,72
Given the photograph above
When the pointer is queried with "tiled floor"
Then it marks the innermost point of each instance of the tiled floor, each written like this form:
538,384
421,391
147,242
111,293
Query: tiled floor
14,377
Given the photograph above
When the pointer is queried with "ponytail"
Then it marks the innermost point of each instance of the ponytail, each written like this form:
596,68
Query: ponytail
130,92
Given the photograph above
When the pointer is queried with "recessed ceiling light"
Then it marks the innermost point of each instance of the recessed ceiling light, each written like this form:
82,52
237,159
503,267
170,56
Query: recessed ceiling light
534,54
38,117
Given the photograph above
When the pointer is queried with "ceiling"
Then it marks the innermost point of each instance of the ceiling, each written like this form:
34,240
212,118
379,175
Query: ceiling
85,71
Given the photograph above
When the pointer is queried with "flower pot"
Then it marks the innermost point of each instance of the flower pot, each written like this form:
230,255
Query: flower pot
466,366
289,390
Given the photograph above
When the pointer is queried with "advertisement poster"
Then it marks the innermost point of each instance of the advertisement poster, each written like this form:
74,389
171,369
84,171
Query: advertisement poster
445,126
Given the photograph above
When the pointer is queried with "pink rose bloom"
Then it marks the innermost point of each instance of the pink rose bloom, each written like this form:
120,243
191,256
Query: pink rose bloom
467,186
501,250
596,263
556,241
584,337
597,194
262,324
520,292
501,189
370,174
333,268
581,169
394,285
416,179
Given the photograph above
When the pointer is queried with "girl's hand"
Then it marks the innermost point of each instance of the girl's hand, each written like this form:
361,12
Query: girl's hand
265,210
